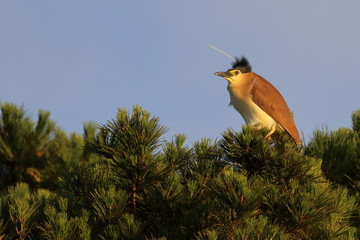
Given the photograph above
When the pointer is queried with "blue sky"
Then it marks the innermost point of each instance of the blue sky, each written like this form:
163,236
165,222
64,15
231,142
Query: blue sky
82,60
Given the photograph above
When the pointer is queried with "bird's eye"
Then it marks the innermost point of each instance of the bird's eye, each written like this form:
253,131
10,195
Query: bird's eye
236,72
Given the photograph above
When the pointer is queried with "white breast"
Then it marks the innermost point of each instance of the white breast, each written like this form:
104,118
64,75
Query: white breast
252,113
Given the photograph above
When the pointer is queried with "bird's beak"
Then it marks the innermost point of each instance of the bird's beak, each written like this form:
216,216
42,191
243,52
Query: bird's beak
223,74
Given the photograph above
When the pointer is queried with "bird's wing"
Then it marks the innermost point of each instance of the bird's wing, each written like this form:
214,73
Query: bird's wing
268,98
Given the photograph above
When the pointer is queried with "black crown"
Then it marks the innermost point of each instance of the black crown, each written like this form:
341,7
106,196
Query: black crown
242,64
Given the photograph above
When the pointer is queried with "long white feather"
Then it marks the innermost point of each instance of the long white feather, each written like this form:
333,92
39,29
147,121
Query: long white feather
222,52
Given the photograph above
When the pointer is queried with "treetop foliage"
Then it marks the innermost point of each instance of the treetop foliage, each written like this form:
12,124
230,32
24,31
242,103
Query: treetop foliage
123,180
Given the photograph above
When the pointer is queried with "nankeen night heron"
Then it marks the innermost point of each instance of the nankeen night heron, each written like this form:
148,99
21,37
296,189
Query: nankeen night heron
258,101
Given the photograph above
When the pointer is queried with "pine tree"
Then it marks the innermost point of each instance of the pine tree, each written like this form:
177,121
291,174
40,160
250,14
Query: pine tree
340,151
22,145
340,154
123,180
36,152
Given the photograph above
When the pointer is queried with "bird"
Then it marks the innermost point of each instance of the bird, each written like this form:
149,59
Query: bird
257,100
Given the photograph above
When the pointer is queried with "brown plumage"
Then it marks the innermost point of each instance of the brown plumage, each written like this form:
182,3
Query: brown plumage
258,101
268,98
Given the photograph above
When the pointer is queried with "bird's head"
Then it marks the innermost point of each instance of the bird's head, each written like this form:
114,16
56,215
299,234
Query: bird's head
239,67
